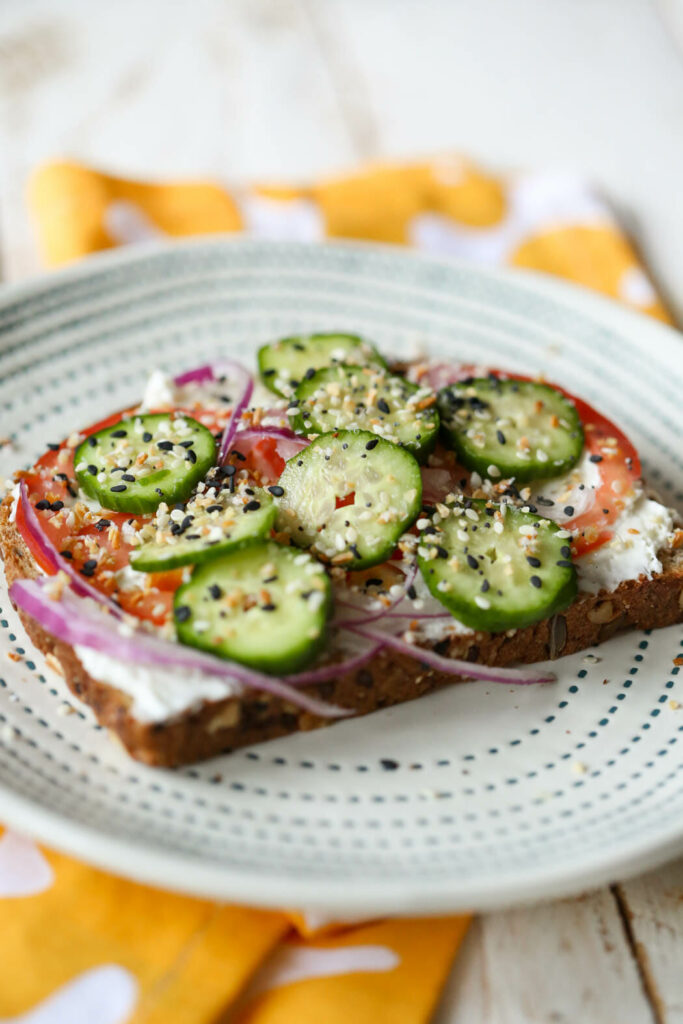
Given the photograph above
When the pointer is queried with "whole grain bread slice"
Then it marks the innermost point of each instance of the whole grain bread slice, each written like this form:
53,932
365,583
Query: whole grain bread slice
214,727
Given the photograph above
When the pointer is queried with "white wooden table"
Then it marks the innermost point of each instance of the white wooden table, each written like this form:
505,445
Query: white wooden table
259,89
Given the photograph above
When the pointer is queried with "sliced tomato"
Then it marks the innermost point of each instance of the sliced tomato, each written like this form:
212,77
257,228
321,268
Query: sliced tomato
264,460
619,466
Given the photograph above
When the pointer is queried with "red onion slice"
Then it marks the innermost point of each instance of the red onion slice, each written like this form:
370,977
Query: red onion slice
199,375
455,666
368,649
244,383
247,389
53,557
73,621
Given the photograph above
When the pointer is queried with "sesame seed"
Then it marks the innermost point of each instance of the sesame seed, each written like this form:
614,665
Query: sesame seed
536,581
182,613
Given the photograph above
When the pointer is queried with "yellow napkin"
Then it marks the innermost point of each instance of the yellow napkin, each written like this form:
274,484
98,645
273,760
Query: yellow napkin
82,946
544,221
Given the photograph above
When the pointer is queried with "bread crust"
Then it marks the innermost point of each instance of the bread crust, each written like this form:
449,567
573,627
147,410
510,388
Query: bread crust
214,727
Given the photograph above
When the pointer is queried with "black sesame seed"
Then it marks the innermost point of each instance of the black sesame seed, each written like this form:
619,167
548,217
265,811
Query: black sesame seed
214,508
56,505
371,444
53,447
501,437
215,591
147,437
441,552
569,510
182,613
252,506
310,372
485,586
190,456
536,581
383,406
102,524
596,458
159,491
565,551
228,470
268,607
92,470
276,490
187,522
66,554
186,444
411,592
129,478
92,441
166,446
388,764
533,562
472,562
119,433
605,511
267,373
90,564
345,445
42,505
117,488
564,563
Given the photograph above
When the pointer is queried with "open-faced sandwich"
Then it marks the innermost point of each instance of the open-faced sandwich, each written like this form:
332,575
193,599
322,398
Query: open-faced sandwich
230,561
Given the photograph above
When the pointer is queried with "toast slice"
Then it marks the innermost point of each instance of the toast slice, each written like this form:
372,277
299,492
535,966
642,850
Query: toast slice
390,678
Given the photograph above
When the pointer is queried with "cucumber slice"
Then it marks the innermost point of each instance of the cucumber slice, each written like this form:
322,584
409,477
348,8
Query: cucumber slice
264,605
495,567
137,463
283,364
380,481
216,519
504,428
367,398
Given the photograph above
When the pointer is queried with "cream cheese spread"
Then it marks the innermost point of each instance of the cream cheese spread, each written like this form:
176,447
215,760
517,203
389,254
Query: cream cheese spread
157,694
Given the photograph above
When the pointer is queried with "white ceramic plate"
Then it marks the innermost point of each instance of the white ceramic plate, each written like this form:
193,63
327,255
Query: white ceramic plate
499,794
